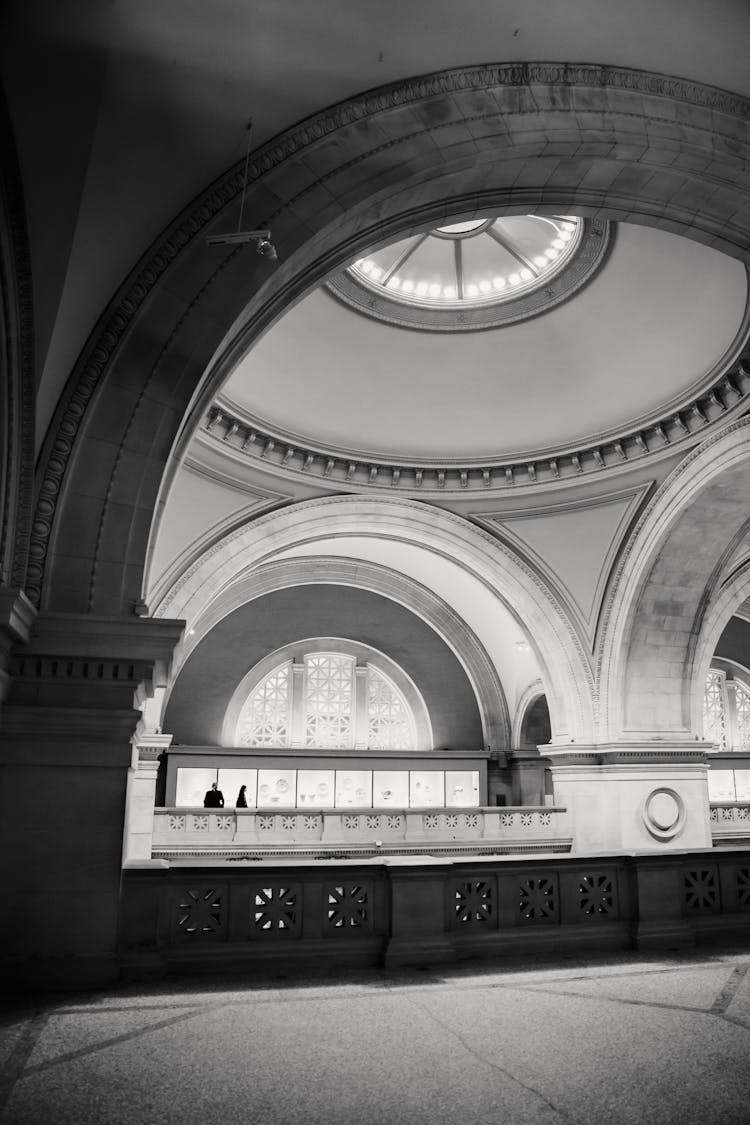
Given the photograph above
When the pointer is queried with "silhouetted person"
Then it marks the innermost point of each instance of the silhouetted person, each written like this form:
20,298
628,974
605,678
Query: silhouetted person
241,798
214,799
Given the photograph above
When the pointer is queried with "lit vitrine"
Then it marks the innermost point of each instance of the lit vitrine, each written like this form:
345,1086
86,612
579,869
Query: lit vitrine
315,789
742,785
277,788
721,785
462,788
231,782
426,788
353,788
193,784
390,789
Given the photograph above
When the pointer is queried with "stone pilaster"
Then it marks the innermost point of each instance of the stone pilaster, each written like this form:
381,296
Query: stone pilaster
633,796
141,797
65,752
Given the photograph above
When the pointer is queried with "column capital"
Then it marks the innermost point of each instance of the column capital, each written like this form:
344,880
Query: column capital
149,746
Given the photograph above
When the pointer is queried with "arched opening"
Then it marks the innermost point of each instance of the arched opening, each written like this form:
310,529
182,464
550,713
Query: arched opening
623,157
328,693
535,725
678,584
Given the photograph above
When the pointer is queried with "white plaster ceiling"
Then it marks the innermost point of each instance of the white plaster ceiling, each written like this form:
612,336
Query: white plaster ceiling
124,111
634,344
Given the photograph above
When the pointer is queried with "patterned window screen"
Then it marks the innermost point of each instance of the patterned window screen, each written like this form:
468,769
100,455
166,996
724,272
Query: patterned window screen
389,721
265,718
329,700
328,707
742,697
715,709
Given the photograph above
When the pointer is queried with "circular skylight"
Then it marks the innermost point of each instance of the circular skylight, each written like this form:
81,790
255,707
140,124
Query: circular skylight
477,273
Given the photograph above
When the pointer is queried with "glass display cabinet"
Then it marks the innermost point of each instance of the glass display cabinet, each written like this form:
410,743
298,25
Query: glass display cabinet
284,779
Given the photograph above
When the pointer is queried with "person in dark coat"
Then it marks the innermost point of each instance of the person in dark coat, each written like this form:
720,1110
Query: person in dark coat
214,799
241,798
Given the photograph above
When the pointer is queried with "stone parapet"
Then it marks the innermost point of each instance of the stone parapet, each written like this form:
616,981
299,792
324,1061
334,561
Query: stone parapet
210,833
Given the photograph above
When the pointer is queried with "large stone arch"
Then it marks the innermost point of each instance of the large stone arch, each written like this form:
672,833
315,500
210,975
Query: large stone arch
433,610
530,602
669,602
625,144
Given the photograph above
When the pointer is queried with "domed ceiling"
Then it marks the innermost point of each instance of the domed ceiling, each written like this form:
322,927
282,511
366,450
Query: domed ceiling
479,273
659,320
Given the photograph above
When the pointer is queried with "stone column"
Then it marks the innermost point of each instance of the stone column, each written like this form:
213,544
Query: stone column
141,798
633,796
65,751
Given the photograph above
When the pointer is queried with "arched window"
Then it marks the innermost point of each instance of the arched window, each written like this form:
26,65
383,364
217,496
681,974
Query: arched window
328,701
726,712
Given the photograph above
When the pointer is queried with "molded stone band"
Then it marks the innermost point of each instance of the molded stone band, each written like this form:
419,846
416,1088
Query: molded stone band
722,401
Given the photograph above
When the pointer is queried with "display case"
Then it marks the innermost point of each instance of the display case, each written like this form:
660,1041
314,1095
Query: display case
277,788
426,788
330,779
461,788
353,789
390,789
315,789
193,784
232,780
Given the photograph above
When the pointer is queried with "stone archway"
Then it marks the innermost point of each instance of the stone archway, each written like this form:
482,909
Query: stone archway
433,610
669,604
597,140
489,563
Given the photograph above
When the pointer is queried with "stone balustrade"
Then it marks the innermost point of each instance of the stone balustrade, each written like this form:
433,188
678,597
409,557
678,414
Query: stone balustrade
259,912
193,832
730,822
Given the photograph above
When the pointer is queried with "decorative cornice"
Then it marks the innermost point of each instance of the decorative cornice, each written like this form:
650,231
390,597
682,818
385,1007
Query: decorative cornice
118,318
270,450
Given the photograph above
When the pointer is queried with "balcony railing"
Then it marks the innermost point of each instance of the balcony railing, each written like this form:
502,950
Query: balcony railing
730,823
194,832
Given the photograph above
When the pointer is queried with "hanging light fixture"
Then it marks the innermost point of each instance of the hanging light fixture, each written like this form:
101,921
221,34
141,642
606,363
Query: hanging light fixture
262,238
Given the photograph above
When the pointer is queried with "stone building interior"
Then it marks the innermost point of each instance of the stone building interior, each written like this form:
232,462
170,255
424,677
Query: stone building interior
375,453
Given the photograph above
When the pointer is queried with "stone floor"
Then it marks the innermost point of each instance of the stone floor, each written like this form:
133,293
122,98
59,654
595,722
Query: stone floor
629,1039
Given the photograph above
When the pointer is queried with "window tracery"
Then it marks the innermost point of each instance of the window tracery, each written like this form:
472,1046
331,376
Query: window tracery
265,719
726,712
715,709
329,700
326,701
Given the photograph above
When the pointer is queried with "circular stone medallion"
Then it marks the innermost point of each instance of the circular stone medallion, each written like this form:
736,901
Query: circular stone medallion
664,813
